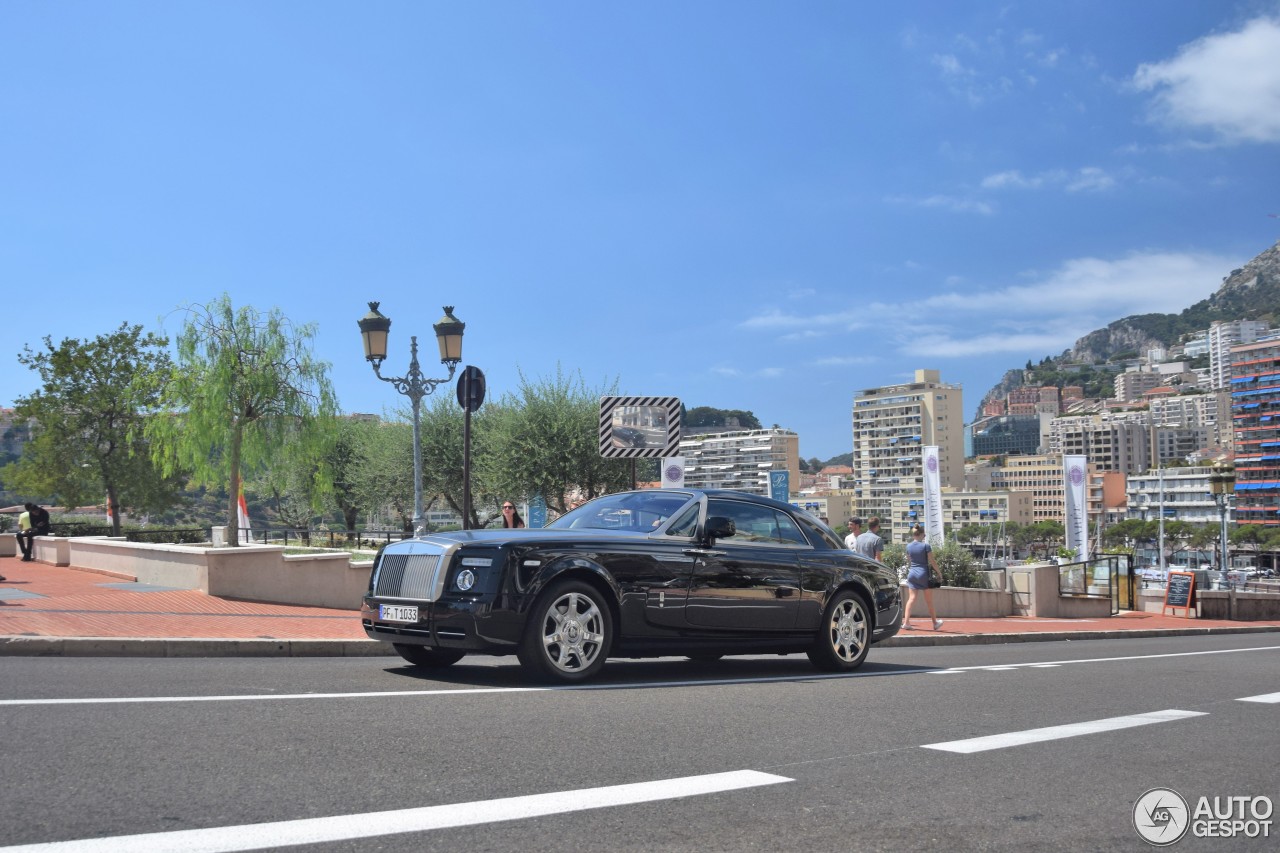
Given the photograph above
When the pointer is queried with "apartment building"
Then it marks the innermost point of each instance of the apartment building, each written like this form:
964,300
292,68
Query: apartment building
1110,442
1181,493
959,507
1223,337
1039,476
740,459
890,426
1255,414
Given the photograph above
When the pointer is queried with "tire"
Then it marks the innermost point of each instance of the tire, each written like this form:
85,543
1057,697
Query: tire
845,635
568,633
425,656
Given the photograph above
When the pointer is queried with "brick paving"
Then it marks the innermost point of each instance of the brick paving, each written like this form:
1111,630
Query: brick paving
42,601
37,600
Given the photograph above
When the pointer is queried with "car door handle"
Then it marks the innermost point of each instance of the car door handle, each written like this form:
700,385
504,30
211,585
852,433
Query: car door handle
703,552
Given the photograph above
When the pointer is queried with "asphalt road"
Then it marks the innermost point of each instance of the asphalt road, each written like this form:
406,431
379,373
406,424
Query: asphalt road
743,754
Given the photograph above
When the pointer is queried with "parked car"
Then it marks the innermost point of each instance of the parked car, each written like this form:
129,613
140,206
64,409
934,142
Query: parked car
647,573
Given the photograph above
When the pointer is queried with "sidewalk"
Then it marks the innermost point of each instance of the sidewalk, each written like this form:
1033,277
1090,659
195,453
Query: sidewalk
58,611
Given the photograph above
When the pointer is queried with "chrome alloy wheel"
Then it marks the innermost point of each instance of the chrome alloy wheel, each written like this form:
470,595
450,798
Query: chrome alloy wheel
573,632
848,630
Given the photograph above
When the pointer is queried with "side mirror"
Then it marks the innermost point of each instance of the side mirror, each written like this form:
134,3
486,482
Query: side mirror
719,527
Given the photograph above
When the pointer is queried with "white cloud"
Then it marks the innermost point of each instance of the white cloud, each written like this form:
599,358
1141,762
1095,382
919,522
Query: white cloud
1085,179
1228,83
1087,287
845,360
772,318
948,203
1045,312
1090,179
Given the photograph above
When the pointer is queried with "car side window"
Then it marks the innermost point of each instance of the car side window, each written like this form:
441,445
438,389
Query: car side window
757,524
686,524
818,534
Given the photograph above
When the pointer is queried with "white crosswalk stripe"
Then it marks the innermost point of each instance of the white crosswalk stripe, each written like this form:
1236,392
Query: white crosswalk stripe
262,836
982,744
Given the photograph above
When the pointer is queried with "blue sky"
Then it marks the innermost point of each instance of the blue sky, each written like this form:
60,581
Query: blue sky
766,206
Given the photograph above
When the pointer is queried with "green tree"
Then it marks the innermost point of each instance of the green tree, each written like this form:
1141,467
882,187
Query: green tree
246,393
344,463
89,415
382,475
547,443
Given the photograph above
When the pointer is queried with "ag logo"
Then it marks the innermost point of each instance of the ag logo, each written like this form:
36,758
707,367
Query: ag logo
1161,816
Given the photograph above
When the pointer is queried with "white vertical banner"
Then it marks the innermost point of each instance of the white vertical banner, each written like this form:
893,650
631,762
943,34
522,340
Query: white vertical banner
932,495
242,520
1077,521
673,472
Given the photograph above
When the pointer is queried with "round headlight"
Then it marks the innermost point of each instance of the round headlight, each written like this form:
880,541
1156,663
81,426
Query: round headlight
466,579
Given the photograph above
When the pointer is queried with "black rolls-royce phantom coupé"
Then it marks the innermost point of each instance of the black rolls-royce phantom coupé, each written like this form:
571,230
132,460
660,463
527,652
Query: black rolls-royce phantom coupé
647,573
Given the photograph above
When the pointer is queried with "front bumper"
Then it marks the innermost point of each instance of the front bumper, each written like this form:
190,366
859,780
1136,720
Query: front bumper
468,625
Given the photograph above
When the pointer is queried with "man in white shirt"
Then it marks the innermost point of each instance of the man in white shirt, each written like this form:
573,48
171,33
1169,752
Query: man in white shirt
855,530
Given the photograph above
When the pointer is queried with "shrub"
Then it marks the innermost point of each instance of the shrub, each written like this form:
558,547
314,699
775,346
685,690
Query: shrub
959,566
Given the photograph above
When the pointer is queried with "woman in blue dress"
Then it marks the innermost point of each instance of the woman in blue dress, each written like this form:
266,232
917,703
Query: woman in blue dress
921,562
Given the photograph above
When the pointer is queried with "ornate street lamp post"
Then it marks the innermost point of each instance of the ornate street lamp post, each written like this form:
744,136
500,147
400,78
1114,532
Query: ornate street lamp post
1222,483
374,328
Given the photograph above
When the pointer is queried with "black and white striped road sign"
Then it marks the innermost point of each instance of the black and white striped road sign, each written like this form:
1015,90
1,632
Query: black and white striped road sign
639,427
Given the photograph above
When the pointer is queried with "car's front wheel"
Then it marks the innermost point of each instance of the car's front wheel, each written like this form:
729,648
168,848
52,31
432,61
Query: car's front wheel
425,656
568,634
845,636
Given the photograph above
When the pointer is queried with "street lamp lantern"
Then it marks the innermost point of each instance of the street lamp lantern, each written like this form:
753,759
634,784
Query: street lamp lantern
374,328
449,337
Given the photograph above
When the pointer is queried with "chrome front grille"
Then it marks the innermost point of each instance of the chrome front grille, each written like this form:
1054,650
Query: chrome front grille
415,576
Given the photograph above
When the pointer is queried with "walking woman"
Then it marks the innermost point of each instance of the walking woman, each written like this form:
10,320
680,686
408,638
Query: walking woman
511,518
920,558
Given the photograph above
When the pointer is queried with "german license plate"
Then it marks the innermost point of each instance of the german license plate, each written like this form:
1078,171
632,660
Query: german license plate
397,613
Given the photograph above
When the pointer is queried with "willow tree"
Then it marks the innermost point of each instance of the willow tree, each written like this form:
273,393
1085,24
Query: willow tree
247,393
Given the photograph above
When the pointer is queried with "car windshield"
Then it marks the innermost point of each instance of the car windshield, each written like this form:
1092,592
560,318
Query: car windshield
642,511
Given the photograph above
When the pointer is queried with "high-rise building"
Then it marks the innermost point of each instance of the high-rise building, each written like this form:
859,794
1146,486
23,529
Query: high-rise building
1223,335
890,426
741,459
1110,442
1255,414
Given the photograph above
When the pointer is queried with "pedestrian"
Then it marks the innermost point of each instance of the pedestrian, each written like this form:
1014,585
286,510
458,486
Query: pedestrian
33,522
921,562
870,544
855,530
511,518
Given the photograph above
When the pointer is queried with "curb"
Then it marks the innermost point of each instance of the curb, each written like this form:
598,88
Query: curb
156,647
930,639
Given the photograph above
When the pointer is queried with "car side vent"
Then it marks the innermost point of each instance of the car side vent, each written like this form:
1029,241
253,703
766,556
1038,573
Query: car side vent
408,576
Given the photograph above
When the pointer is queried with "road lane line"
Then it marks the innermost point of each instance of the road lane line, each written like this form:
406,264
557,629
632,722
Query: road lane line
981,744
638,685
262,836
1269,698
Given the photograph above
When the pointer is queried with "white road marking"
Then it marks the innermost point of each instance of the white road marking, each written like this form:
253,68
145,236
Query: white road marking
262,836
1269,698
637,685
981,744
1044,665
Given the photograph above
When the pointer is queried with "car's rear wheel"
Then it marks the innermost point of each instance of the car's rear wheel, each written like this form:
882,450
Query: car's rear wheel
568,634
845,636
426,656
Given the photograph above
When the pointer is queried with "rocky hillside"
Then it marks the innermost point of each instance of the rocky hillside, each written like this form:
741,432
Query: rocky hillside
1249,293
